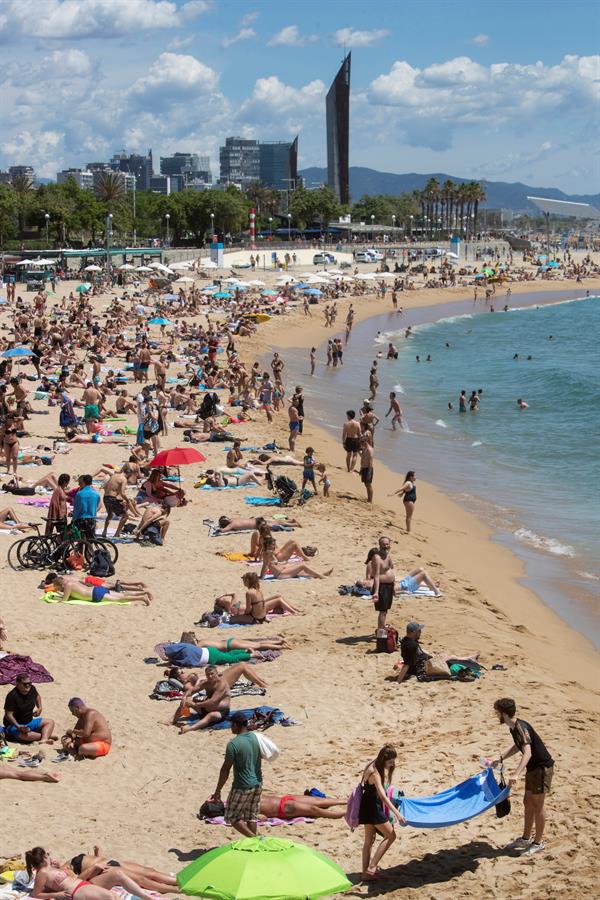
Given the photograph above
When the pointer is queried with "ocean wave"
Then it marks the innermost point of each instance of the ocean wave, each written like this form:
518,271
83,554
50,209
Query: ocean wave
476,443
398,388
589,576
550,545
440,423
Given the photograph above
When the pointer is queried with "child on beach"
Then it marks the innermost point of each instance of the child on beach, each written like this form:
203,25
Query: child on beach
308,473
323,478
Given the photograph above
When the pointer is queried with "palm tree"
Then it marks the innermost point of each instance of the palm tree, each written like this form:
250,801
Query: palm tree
110,187
477,195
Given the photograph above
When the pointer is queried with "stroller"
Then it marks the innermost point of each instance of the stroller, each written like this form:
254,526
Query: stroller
286,489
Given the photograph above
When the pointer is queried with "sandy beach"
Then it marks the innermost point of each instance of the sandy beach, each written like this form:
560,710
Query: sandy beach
141,801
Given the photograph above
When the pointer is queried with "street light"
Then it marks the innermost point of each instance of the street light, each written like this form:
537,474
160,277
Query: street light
134,212
271,227
411,224
393,221
47,218
372,224
212,226
289,218
108,236
167,217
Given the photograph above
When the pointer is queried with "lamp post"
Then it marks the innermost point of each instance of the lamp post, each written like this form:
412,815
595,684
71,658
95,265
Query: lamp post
47,218
271,228
372,226
289,218
411,224
167,218
134,214
212,226
108,236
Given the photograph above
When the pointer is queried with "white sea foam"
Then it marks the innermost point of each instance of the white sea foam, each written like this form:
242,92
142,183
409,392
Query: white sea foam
476,443
550,545
589,576
440,423
398,388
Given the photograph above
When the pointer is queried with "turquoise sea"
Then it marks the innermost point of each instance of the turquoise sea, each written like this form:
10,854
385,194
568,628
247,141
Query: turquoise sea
534,473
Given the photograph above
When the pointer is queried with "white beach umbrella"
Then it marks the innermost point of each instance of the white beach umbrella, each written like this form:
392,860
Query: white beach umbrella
184,280
126,267
184,264
92,269
258,283
208,264
144,269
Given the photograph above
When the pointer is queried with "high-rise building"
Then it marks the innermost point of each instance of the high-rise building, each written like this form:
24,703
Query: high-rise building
279,164
84,178
239,161
26,172
338,133
190,165
134,164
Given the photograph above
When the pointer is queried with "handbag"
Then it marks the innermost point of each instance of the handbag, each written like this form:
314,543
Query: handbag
502,808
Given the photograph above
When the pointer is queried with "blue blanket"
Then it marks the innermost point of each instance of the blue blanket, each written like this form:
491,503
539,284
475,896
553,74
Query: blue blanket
464,801
263,501
218,726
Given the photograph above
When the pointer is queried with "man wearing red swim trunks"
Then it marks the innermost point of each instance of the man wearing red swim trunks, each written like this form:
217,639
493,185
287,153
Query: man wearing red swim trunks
91,737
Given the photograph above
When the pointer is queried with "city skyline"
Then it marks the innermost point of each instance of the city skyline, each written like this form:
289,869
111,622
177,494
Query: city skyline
434,88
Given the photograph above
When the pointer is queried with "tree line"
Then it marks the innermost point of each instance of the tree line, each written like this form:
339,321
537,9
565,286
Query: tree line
75,216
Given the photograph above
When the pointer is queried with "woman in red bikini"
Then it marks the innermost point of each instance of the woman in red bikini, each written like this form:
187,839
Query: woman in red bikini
50,878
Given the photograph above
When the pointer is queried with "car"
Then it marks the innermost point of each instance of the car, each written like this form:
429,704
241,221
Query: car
324,259
376,255
363,256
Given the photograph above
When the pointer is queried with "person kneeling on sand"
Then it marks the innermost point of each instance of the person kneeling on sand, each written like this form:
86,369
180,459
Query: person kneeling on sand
414,657
91,737
68,587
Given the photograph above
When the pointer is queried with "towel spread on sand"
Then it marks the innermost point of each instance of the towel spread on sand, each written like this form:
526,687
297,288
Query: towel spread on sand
34,501
267,823
227,487
275,716
55,597
263,501
13,664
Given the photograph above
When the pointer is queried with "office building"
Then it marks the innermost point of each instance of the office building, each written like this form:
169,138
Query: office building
134,164
279,164
239,161
26,172
337,107
167,184
84,178
128,181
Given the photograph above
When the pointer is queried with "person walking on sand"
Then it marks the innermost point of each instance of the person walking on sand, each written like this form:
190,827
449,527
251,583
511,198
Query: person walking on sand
409,496
313,360
375,809
242,754
538,766
395,408
351,439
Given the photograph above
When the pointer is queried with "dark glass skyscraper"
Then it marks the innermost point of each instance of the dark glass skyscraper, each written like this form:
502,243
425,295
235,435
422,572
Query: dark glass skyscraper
338,133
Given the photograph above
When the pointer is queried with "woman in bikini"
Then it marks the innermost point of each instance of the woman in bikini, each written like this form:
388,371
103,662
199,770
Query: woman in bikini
272,566
148,878
282,554
257,606
50,879
217,479
11,444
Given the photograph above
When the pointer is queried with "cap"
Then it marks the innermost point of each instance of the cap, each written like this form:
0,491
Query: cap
239,718
414,626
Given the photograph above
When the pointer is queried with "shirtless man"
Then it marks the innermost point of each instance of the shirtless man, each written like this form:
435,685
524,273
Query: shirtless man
145,358
291,806
116,502
384,577
212,709
395,408
227,524
366,465
351,439
294,424
91,737
71,587
90,399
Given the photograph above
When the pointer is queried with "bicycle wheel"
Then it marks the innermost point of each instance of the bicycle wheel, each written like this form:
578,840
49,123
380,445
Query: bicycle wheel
34,552
101,544
12,557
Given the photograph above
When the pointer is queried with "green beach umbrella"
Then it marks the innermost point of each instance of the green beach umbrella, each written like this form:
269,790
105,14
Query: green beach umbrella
262,869
82,288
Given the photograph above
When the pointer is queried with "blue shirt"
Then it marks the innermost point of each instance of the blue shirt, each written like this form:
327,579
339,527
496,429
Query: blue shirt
86,503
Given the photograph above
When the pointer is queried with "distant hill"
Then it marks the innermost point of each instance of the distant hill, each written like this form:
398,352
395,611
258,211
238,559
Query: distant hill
500,194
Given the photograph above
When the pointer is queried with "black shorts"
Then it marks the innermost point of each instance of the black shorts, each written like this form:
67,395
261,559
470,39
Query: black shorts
352,445
114,506
366,475
385,597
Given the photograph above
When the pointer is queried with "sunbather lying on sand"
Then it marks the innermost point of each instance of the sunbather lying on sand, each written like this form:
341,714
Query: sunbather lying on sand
291,806
9,521
272,566
148,878
70,587
187,652
217,479
113,584
257,605
228,524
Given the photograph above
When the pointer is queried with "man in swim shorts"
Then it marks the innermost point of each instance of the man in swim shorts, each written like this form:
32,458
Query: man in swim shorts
91,736
384,577
212,709
91,413
351,439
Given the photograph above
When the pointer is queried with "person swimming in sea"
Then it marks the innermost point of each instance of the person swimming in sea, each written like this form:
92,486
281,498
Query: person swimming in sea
521,404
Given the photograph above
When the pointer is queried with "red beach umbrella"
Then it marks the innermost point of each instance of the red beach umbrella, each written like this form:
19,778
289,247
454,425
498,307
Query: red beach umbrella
178,456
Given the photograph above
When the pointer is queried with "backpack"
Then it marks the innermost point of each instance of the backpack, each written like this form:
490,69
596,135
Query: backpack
353,807
387,639
151,534
211,809
101,565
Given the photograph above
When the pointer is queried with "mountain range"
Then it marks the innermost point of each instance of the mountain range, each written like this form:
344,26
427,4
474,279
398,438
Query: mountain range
500,194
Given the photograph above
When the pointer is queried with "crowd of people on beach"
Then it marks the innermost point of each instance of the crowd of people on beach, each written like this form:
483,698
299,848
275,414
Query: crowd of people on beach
111,376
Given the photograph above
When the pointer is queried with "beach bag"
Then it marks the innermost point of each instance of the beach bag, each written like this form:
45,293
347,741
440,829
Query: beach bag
268,749
502,808
101,565
152,535
151,424
353,807
75,560
438,666
211,809
387,639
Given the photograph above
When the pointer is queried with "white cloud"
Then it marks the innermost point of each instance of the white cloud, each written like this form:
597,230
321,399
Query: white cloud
180,43
349,37
273,96
481,40
244,34
38,149
249,18
73,19
171,76
290,36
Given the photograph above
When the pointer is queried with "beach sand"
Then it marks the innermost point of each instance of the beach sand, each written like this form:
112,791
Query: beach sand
140,802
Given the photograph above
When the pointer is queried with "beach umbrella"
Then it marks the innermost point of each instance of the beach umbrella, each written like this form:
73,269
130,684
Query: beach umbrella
18,351
170,296
92,269
207,264
314,292
451,254
182,265
261,869
269,293
177,456
126,267
223,295
144,269
184,280
82,288
159,320
258,283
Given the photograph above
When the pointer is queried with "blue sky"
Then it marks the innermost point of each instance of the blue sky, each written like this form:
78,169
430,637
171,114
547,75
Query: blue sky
506,90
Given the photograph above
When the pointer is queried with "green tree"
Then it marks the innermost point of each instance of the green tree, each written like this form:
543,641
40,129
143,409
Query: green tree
110,187
8,213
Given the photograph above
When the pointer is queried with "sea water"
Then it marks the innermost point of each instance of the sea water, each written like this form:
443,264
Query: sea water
533,473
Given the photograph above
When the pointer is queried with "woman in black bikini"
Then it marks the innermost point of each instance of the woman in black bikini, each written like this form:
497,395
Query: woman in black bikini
257,606
409,496
375,809
148,878
11,444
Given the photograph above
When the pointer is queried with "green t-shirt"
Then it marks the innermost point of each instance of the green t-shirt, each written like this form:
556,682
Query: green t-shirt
244,752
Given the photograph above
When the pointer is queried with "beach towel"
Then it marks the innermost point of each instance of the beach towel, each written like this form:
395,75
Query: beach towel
54,597
236,557
246,449
13,665
422,591
458,804
267,823
34,501
227,487
275,717
263,501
